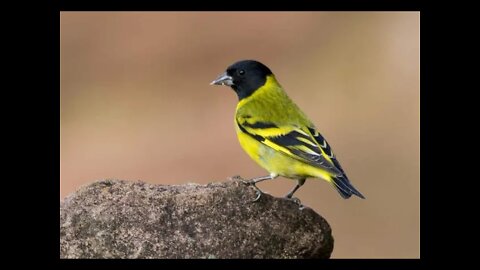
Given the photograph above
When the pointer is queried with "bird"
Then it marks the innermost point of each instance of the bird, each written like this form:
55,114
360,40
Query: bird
276,134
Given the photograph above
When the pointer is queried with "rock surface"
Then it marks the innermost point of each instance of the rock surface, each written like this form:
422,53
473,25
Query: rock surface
122,219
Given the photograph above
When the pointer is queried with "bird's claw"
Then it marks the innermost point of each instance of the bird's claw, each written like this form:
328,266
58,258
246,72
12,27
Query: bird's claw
250,183
247,183
259,194
237,178
296,201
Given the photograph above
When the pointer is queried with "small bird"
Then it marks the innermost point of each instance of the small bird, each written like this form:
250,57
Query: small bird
276,134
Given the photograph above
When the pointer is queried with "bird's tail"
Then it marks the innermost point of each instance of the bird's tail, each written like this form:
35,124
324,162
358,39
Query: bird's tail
344,187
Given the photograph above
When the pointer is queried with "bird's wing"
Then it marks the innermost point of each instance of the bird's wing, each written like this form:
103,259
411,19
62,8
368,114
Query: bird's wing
301,143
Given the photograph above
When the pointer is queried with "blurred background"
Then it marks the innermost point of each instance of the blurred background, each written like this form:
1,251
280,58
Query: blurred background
136,104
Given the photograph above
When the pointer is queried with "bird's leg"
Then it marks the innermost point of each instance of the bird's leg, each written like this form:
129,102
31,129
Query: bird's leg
254,181
300,183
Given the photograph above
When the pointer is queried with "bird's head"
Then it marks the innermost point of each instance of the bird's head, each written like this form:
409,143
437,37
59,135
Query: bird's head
244,77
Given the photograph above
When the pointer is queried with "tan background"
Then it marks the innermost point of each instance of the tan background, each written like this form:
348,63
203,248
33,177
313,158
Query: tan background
136,104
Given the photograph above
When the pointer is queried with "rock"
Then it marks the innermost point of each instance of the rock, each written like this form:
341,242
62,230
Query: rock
121,219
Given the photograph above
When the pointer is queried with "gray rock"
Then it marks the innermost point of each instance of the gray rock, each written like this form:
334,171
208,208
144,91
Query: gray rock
121,219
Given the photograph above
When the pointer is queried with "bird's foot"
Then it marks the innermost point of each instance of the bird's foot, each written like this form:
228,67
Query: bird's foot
258,191
259,194
238,178
296,201
251,183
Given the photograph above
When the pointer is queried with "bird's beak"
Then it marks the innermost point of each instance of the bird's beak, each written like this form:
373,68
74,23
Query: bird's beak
223,79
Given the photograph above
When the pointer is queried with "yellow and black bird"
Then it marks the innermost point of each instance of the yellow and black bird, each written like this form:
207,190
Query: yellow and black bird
276,134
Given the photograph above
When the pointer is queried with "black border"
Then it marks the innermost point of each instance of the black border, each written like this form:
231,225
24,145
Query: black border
243,5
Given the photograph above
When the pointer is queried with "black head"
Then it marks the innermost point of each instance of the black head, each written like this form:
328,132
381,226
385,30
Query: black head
245,77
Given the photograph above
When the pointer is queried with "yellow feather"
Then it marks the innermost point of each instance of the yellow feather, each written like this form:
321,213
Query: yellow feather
277,159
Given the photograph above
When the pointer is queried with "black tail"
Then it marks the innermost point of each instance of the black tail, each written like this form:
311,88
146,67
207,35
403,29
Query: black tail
344,187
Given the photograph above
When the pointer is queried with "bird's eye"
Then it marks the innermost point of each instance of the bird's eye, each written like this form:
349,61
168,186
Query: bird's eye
241,72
